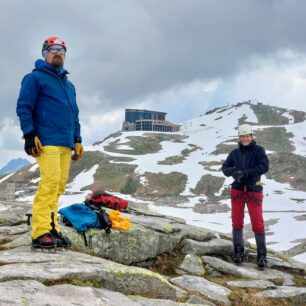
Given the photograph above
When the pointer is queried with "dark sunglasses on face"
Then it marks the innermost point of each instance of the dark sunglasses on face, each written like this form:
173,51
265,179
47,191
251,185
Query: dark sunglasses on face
54,50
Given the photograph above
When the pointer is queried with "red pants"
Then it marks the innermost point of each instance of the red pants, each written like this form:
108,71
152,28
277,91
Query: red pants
254,203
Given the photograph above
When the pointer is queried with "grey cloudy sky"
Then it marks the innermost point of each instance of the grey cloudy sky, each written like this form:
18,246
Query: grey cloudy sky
182,57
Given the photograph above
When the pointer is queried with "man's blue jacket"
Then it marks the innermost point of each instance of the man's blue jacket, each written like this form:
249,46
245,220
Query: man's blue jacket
47,105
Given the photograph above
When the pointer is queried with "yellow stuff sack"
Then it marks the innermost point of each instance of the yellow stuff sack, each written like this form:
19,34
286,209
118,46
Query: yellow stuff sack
119,222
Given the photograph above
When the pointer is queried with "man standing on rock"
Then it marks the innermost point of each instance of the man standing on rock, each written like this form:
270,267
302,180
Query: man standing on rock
48,115
246,164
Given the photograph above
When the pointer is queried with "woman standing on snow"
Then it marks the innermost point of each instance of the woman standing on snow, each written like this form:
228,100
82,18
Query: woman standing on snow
246,164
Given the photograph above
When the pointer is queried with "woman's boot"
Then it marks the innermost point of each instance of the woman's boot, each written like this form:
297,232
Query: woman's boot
261,250
238,246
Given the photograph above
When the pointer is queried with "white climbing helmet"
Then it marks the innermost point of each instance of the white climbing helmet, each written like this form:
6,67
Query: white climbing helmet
245,129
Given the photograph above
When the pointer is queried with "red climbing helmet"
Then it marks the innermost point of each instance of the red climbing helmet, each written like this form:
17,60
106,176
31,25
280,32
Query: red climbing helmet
53,40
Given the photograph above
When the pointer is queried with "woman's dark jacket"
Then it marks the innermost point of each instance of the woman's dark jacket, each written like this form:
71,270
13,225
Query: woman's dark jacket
252,160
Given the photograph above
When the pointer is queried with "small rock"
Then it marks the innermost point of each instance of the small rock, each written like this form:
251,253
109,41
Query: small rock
297,266
272,274
249,270
210,208
10,219
180,293
194,299
212,272
14,230
288,266
296,295
195,283
22,240
229,268
213,247
262,284
145,264
197,233
155,223
180,272
192,264
155,302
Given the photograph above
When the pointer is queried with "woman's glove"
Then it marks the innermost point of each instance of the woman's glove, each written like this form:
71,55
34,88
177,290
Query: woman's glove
238,175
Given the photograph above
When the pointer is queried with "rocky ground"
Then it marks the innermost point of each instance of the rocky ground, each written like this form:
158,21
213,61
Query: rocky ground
160,261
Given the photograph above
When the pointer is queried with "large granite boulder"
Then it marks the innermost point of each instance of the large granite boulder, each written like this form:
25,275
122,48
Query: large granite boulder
34,293
77,268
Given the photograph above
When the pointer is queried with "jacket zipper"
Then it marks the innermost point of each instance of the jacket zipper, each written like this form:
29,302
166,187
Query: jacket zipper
62,84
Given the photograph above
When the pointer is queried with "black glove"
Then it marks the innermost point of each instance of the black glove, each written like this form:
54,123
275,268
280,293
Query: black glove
238,175
32,144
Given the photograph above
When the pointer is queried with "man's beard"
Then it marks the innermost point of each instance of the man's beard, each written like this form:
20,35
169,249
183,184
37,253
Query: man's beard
57,62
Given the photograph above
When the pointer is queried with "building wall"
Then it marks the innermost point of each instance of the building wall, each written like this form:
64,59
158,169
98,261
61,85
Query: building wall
146,120
7,191
156,125
132,115
128,126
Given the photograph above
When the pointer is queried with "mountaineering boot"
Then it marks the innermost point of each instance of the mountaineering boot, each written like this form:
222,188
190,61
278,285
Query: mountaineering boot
61,241
261,250
238,246
64,241
45,241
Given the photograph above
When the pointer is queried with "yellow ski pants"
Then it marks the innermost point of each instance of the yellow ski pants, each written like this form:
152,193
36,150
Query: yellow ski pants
54,165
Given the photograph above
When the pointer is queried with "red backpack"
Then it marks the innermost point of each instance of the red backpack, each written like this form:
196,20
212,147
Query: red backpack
105,199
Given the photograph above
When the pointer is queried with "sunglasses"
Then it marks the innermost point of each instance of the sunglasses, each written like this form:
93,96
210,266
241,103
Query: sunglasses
54,50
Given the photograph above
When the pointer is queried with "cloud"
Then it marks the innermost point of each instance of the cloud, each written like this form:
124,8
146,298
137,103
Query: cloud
271,80
158,54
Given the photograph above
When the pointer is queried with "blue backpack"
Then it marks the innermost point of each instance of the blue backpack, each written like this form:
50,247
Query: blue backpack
82,217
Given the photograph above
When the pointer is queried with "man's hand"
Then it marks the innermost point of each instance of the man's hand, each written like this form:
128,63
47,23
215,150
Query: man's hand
32,144
238,175
78,151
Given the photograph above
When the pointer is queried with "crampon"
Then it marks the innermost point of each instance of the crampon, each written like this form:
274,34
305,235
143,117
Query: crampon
51,242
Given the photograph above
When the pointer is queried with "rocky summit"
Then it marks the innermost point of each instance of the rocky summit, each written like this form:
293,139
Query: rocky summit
160,261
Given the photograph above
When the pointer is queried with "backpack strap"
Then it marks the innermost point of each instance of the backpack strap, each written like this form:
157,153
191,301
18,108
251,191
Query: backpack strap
53,229
85,239
103,217
104,220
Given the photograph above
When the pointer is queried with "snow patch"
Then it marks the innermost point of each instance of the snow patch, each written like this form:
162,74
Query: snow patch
34,167
299,137
6,177
300,257
83,179
36,180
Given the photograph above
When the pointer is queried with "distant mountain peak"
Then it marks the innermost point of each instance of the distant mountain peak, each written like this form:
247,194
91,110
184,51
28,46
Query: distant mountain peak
14,165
